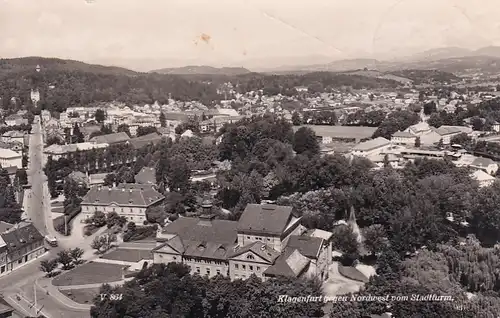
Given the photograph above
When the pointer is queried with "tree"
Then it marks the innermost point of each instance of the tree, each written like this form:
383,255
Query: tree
430,108
76,255
346,241
296,121
375,238
98,219
417,142
477,123
112,219
65,259
48,266
163,120
100,115
124,128
77,134
305,140
103,243
142,131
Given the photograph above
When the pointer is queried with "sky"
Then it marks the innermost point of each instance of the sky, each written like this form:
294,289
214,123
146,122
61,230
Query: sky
149,34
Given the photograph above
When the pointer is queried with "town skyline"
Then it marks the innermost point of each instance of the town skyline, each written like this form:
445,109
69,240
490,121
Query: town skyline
256,35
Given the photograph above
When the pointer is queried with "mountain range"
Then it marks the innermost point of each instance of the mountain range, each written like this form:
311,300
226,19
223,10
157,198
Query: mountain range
458,61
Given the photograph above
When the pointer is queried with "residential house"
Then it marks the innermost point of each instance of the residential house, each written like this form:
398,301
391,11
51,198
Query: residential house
14,136
15,120
24,243
403,138
268,240
127,199
62,151
10,158
111,139
371,147
447,132
495,126
96,179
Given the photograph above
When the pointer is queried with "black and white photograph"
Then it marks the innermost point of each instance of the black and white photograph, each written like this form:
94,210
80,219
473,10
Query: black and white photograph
249,159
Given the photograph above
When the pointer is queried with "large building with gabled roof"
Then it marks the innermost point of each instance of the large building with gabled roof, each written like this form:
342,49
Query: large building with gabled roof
267,241
129,200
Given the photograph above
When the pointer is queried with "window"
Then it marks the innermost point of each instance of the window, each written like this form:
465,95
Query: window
244,267
248,237
258,269
122,209
20,261
236,266
251,267
208,271
218,271
175,258
268,239
198,270
250,256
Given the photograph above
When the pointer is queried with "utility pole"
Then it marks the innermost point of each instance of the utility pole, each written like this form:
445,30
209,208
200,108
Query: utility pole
34,292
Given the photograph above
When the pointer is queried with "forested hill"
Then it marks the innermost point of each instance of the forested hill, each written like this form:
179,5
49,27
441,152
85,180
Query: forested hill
65,83
28,64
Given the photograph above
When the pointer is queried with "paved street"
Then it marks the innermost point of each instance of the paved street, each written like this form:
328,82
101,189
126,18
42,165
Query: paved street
22,280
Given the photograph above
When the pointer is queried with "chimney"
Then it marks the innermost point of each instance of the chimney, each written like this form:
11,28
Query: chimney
206,220
207,207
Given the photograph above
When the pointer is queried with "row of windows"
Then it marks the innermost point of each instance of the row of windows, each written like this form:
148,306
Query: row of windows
207,271
258,238
244,267
131,210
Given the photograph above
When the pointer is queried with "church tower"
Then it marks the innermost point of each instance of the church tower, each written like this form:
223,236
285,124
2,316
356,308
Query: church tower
354,225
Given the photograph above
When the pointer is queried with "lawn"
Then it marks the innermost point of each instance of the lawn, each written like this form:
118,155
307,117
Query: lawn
90,273
81,296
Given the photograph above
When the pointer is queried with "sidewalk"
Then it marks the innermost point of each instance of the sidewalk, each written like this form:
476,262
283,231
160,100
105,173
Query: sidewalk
45,284
97,285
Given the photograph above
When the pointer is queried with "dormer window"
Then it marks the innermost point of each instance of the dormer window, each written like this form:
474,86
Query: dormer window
250,256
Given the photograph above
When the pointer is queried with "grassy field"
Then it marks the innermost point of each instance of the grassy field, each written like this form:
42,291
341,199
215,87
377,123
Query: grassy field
90,273
81,296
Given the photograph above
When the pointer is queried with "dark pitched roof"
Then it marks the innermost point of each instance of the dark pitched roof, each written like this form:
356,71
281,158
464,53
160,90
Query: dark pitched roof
265,219
200,229
260,249
147,175
307,245
111,138
123,195
18,238
196,248
142,141
291,263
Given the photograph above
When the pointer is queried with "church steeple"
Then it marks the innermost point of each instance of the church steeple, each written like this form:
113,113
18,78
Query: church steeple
351,221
